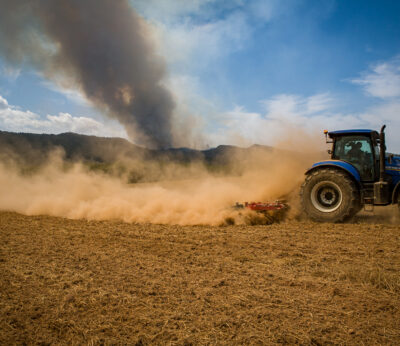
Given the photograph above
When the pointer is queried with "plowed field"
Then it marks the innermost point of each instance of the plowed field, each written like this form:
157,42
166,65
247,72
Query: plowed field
107,282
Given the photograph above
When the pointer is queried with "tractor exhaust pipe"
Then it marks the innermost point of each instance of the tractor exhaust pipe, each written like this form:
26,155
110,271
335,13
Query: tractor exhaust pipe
382,155
381,188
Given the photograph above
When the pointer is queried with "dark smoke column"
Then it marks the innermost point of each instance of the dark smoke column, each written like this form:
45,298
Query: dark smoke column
103,47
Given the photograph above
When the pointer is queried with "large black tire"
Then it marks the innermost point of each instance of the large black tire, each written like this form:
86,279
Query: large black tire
329,195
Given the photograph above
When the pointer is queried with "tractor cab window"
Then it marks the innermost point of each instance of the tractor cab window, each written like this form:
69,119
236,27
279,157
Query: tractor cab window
356,150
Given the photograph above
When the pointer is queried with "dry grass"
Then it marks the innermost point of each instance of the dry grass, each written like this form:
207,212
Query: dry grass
81,282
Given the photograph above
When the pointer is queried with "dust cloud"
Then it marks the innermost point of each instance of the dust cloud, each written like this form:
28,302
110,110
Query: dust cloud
73,191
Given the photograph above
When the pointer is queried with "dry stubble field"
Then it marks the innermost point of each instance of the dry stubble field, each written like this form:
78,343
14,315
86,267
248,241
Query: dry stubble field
90,282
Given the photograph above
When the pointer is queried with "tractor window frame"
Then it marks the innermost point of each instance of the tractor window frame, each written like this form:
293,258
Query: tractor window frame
369,155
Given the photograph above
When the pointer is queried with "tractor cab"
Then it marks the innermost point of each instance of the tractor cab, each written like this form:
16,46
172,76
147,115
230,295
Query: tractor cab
360,148
359,174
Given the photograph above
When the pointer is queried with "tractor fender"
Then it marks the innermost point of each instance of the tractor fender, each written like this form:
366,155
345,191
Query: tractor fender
344,166
396,193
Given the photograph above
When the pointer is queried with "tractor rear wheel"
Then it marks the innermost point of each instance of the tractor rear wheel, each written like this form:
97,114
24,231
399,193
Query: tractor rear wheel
329,195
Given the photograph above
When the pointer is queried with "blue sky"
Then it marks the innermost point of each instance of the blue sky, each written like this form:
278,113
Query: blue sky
245,72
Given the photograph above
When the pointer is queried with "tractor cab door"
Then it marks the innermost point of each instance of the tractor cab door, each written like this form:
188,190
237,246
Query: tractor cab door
358,151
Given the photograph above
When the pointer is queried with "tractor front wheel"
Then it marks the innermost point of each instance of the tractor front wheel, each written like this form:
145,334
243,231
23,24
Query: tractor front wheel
329,195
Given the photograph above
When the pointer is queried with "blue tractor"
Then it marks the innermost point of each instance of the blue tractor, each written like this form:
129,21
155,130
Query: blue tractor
359,174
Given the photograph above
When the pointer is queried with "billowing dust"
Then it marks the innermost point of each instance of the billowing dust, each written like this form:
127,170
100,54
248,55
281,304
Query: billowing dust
73,191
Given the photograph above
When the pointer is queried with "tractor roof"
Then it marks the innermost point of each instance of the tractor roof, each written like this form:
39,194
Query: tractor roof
365,132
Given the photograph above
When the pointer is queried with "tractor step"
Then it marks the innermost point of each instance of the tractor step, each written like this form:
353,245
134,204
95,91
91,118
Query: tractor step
368,204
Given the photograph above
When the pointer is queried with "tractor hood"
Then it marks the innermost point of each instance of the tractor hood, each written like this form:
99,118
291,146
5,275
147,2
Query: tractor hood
392,160
393,167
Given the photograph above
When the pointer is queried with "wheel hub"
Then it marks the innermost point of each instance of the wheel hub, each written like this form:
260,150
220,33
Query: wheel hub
326,196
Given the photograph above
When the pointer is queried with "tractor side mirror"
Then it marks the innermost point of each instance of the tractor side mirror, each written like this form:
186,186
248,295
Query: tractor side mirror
326,137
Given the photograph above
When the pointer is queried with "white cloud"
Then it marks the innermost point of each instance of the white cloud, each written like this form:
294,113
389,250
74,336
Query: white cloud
294,116
11,73
169,10
319,103
383,81
65,121
284,106
3,103
292,120
193,45
262,9
387,113
72,94
192,33
16,120
173,11
195,36
285,117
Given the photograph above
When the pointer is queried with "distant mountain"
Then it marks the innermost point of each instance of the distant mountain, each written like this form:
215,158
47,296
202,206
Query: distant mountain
36,148
119,157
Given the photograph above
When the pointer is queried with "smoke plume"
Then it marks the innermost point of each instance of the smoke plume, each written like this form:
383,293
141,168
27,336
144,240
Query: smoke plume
102,47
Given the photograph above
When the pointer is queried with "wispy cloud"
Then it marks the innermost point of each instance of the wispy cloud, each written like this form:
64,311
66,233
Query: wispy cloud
197,44
10,72
291,113
3,103
173,11
72,94
192,33
291,119
285,117
383,80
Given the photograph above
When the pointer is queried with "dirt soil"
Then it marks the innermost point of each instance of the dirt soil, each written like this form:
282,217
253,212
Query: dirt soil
90,282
